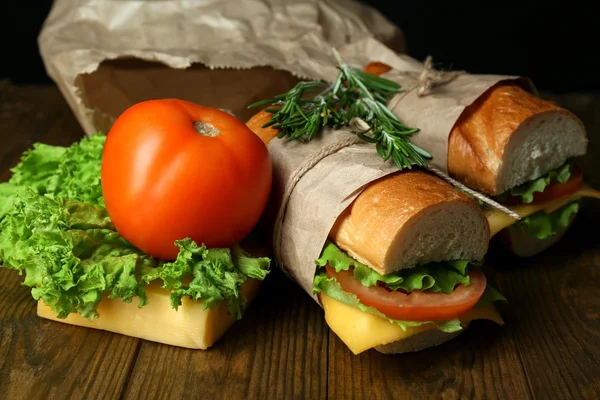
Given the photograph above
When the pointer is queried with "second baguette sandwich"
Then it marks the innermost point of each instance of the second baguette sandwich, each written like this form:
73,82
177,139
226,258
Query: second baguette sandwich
519,149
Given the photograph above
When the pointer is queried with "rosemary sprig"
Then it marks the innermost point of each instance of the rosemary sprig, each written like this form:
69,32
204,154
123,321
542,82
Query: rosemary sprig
356,98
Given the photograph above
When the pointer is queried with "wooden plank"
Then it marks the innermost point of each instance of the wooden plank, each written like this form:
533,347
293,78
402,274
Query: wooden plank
482,362
40,358
30,114
555,298
278,350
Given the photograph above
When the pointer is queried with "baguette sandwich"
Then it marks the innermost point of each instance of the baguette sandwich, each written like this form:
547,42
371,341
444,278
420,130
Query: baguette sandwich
400,269
519,149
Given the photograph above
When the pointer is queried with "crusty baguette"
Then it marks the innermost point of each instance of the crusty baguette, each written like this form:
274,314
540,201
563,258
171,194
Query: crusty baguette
411,218
508,137
418,342
256,125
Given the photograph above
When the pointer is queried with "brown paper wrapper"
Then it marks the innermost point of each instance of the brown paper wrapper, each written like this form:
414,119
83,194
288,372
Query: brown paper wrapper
108,55
313,182
436,113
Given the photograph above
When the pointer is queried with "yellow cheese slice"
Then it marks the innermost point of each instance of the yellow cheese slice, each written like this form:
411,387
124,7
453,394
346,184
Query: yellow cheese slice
499,220
190,326
362,331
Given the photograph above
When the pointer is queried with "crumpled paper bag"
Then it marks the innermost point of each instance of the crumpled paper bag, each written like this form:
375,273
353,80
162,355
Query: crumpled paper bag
106,55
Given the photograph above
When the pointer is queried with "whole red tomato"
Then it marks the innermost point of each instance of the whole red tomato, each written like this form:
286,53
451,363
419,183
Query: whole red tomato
172,169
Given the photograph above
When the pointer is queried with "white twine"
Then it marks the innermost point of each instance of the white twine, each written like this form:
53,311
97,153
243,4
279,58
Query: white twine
306,166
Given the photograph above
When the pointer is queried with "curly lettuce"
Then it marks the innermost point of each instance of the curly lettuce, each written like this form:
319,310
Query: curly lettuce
55,229
439,277
528,189
543,225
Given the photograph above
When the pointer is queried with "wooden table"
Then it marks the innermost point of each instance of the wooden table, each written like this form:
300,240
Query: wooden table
548,349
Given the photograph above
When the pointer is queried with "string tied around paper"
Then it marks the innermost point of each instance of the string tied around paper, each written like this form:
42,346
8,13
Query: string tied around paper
430,77
306,166
426,80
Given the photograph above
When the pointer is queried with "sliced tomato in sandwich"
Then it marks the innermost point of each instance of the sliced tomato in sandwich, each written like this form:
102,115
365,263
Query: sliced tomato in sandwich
417,305
553,191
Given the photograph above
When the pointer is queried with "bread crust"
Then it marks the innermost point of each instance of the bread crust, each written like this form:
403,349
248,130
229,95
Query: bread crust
369,226
478,141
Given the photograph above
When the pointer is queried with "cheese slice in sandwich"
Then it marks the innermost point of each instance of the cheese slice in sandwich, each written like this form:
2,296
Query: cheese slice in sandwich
400,271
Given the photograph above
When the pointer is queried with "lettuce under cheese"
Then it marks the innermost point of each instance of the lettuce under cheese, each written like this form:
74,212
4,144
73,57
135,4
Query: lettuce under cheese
55,229
434,277
543,225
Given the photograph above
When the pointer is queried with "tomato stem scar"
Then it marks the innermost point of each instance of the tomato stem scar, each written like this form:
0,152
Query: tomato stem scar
206,129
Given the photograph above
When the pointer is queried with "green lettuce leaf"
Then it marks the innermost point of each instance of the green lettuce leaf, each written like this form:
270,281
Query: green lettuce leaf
8,192
72,257
68,172
37,166
333,289
70,253
490,295
542,225
218,274
439,277
527,190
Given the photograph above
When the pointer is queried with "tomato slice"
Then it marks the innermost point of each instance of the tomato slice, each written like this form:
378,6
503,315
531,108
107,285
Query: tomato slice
417,305
553,191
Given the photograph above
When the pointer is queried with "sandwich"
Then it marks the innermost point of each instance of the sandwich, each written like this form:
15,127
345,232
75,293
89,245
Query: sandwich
56,230
401,268
521,151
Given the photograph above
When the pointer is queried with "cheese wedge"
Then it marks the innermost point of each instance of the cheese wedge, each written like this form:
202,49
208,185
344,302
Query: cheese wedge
499,220
190,326
362,331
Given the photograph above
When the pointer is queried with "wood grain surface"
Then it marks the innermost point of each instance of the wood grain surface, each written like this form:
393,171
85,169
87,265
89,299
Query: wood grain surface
549,347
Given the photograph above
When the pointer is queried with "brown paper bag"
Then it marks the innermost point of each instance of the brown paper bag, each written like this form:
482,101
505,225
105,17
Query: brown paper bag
107,55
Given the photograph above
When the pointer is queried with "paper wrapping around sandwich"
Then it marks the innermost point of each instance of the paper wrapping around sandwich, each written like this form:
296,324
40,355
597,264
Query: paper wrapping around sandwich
107,55
436,113
313,182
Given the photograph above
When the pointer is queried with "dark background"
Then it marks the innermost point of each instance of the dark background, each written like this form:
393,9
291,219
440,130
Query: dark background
553,43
